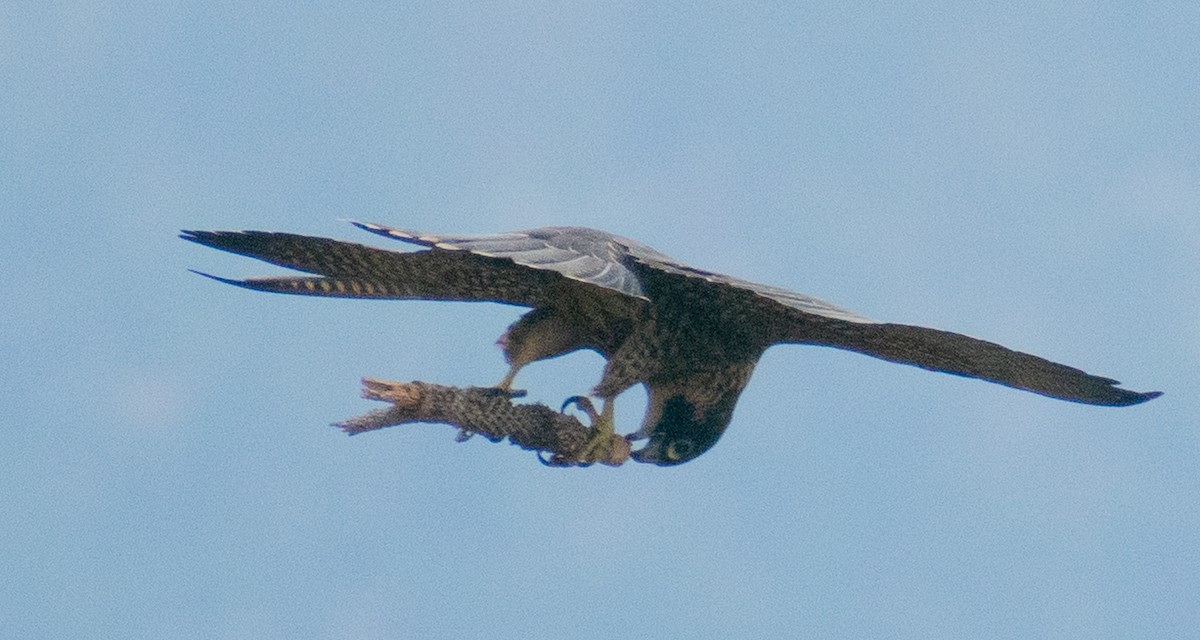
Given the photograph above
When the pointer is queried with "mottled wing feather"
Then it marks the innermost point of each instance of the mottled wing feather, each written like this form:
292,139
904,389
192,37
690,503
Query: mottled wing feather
584,255
799,318
602,259
636,270
358,271
963,355
770,296
802,303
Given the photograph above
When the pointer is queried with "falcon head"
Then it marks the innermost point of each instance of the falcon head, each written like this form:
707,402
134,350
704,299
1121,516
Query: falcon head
679,430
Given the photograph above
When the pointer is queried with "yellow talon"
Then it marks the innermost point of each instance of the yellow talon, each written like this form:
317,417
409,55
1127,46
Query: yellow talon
504,387
603,445
505,383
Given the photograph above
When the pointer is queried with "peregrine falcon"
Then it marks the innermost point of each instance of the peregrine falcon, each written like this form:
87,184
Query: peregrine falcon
691,337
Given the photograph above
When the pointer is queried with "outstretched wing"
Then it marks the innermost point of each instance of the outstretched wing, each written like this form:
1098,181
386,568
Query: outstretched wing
962,355
584,255
350,270
796,318
528,268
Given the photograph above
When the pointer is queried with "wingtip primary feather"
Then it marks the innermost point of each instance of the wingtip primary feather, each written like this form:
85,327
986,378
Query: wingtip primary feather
405,235
1149,395
236,283
223,240
384,230
1119,397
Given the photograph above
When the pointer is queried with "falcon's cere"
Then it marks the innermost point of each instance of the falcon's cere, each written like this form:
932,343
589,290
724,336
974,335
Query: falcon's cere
692,337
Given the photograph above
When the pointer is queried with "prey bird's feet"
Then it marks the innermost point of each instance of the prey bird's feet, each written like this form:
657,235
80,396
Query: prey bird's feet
603,445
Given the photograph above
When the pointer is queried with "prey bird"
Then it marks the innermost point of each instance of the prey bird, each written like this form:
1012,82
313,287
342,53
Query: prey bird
691,337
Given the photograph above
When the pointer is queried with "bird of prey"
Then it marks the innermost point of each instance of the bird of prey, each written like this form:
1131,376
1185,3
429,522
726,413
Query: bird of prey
691,336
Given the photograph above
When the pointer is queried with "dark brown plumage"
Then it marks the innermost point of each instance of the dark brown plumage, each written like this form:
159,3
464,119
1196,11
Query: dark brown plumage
692,337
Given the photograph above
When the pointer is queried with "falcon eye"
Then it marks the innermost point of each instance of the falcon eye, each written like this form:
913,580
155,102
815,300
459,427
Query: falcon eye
680,449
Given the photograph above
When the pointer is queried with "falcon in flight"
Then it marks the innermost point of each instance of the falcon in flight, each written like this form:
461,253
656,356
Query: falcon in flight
691,336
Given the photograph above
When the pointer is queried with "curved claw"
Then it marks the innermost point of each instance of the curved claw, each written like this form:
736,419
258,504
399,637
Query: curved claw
585,405
557,461
602,444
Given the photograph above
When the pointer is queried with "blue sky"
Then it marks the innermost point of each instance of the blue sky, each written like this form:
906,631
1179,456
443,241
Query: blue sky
1028,173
